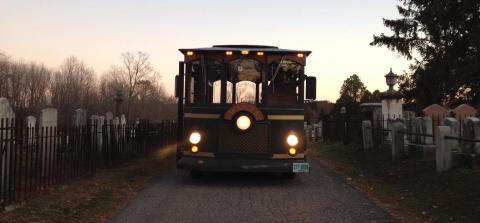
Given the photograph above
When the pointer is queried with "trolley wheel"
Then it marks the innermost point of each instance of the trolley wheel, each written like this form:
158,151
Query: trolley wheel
289,176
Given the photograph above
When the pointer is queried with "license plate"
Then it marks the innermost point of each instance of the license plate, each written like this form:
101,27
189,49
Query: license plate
301,167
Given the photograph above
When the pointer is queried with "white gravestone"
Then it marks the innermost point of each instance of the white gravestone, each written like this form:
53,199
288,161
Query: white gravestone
109,126
367,134
443,153
8,117
48,117
454,130
80,117
101,123
109,117
471,130
31,125
428,127
48,123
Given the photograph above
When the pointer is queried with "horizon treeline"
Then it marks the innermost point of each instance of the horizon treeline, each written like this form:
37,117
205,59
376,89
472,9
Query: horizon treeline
32,86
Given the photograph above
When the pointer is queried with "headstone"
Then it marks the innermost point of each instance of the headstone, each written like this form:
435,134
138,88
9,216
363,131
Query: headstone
367,134
464,111
80,117
31,121
428,127
443,153
109,118
123,120
471,130
417,128
116,121
48,117
435,111
398,140
8,117
31,125
454,129
422,126
6,111
48,123
109,126
100,129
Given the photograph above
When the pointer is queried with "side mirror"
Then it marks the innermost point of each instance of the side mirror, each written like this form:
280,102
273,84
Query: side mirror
311,88
177,87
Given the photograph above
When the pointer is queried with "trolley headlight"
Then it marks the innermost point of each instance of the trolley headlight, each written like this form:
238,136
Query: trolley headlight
243,122
195,138
292,140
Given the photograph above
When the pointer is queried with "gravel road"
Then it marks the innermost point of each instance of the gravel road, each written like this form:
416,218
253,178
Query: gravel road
320,196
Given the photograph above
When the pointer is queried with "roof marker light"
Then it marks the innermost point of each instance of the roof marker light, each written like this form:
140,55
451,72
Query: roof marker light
189,53
259,53
245,52
300,55
229,53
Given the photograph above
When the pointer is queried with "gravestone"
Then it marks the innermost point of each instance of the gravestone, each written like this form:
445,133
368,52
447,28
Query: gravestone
109,118
100,129
48,122
80,117
96,130
428,130
31,121
123,126
6,111
464,111
48,117
398,139
31,125
367,134
435,111
443,153
116,121
108,126
454,130
8,117
471,130
123,120
421,145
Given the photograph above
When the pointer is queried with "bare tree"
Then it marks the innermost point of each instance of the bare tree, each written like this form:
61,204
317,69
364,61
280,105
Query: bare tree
135,69
72,85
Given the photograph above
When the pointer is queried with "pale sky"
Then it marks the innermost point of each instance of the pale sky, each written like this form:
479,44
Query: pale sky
98,31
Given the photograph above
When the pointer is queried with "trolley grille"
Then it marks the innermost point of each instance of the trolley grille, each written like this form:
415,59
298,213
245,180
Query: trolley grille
254,141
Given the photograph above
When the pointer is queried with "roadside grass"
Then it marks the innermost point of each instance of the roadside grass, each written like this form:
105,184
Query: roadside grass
409,189
92,199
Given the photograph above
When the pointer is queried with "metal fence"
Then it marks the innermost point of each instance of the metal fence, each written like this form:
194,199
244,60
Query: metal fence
35,158
347,129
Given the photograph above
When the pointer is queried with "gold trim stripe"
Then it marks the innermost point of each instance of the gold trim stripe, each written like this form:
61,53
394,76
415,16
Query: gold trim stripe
286,117
274,156
199,154
204,116
286,156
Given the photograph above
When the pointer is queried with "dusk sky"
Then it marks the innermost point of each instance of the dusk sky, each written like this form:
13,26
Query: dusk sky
97,32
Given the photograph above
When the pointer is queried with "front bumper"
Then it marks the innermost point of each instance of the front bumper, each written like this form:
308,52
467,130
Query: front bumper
237,165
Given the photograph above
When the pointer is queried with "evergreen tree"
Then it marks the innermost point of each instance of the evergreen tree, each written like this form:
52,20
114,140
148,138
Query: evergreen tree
443,39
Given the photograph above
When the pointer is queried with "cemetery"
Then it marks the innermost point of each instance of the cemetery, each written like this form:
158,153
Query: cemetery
422,166
39,152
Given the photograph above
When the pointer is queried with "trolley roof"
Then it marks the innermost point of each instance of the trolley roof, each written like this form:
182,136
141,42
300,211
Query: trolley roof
252,48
